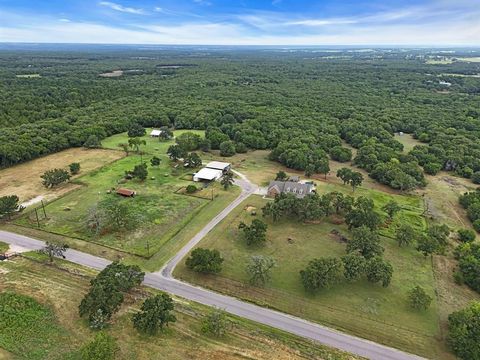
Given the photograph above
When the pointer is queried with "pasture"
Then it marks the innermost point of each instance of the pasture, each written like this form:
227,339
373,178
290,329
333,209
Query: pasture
367,310
44,322
24,180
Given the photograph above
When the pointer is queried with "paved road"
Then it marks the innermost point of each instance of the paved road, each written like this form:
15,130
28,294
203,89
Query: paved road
163,280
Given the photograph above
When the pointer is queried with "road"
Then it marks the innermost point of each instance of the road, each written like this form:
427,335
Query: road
163,280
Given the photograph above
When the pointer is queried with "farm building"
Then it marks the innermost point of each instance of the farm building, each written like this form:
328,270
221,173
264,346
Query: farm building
126,192
213,171
284,187
155,133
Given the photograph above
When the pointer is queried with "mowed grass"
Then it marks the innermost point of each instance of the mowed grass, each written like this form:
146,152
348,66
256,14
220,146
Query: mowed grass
363,309
50,328
24,180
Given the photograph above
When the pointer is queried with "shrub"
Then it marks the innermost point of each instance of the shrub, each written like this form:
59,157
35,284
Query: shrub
476,177
466,235
227,148
191,189
205,261
464,332
103,347
419,299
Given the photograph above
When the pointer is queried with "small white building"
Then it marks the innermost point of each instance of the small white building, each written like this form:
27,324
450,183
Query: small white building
155,133
207,174
218,165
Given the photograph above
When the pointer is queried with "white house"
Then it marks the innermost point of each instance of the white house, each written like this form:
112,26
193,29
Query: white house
207,174
155,133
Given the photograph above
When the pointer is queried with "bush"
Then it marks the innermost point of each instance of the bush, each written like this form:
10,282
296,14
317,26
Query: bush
191,189
215,323
227,148
241,148
476,177
466,235
419,299
432,168
74,168
205,261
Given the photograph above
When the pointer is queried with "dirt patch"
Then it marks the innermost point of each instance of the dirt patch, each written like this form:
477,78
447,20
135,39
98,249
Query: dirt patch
250,208
24,180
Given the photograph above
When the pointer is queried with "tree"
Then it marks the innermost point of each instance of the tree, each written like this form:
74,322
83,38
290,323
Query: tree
363,214
155,161
92,142
227,179
175,152
241,148
53,250
440,234
155,313
112,214
391,208
165,134
256,233
140,171
356,180
205,261
476,177
54,177
103,347
259,269
345,175
135,143
366,242
432,168
321,273
419,299
464,235
191,189
192,160
464,332
341,154
281,176
323,167
74,168
9,205
353,266
188,141
427,245
379,270
215,323
405,235
227,148
136,130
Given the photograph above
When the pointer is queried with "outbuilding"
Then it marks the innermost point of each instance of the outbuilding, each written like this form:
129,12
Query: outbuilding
218,165
155,133
207,174
126,192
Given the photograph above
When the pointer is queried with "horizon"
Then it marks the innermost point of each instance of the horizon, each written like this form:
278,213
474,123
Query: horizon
409,23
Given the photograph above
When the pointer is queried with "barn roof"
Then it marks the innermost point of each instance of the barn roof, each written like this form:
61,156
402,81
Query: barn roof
125,192
155,132
217,165
208,174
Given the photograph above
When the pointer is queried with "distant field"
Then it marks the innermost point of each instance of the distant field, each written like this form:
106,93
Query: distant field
470,59
439,62
27,76
49,325
407,141
379,314
24,180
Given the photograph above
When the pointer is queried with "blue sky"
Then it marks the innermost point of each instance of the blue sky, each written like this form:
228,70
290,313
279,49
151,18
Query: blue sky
243,22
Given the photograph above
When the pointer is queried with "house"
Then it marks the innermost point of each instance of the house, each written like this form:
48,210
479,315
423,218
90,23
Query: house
207,174
126,192
284,187
155,133
294,178
218,165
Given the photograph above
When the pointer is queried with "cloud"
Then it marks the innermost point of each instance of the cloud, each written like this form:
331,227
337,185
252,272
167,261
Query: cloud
121,8
203,2
64,20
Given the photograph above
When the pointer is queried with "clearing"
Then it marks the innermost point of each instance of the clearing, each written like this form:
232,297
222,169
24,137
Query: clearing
114,73
24,180
381,314
50,296
28,76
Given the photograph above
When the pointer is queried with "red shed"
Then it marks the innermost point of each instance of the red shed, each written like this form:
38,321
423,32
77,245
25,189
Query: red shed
126,192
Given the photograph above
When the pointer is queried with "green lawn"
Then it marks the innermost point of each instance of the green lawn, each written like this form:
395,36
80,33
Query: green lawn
363,309
3,247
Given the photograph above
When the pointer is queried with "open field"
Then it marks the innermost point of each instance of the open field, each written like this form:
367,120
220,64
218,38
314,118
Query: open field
381,314
28,76
24,180
470,59
54,295
407,141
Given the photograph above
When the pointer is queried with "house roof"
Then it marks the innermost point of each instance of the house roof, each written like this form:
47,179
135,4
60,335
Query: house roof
155,132
300,190
125,192
217,165
208,174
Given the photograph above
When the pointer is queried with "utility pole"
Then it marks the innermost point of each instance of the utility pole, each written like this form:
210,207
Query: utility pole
36,214
44,212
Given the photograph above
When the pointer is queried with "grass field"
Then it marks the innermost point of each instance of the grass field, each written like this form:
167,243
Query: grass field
28,76
380,314
407,141
3,247
24,180
44,320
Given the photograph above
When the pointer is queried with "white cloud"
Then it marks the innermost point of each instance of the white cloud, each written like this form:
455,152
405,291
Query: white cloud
202,2
63,20
121,8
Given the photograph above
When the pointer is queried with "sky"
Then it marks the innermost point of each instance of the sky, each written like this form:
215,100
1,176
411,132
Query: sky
243,22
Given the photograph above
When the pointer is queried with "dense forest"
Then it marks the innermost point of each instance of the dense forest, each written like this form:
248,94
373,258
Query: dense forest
303,104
